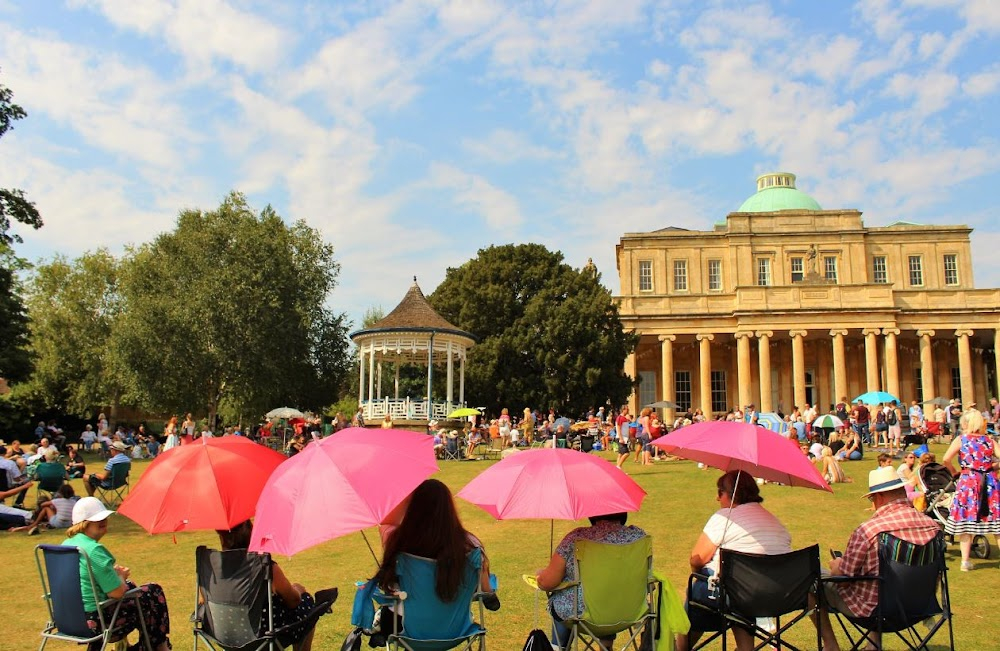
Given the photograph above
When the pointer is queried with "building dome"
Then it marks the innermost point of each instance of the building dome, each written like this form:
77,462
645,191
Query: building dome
776,191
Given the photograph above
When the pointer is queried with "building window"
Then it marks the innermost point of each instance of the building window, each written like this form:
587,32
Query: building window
714,275
956,383
647,387
680,275
916,266
720,399
918,382
645,275
880,273
682,390
764,271
798,269
830,268
951,269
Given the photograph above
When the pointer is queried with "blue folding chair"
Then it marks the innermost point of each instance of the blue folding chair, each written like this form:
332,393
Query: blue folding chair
428,624
63,594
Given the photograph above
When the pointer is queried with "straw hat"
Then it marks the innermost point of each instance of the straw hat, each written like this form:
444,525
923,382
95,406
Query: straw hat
883,479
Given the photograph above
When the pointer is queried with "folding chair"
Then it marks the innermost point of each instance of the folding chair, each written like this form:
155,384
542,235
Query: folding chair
427,623
912,590
233,590
618,591
116,484
452,449
61,589
755,587
50,477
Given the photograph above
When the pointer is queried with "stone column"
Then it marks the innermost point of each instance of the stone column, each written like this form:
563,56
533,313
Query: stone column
965,367
764,361
839,366
891,362
630,371
871,358
798,368
450,393
926,365
667,374
743,367
996,355
705,373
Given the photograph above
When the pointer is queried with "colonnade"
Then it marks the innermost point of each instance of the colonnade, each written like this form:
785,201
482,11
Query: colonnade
874,372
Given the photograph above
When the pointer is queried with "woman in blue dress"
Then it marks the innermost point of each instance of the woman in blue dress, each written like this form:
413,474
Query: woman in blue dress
975,510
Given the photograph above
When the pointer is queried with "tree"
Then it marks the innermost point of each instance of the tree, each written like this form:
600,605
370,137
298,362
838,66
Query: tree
550,335
15,360
228,311
74,306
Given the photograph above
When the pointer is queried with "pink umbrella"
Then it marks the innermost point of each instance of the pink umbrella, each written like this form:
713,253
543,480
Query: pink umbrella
342,484
731,445
553,483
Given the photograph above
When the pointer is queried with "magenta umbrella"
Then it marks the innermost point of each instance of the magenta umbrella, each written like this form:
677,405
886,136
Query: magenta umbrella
732,445
553,484
340,485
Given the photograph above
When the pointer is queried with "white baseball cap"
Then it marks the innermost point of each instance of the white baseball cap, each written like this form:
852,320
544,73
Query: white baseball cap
90,509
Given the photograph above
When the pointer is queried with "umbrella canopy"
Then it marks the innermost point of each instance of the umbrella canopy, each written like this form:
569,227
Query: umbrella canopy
662,404
828,421
875,397
553,483
938,402
565,422
772,421
344,483
284,412
464,412
209,485
731,445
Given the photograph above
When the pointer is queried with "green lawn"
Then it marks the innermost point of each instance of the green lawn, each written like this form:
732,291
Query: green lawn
681,498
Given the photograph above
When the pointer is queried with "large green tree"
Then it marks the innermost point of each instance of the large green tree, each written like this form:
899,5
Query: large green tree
227,313
550,335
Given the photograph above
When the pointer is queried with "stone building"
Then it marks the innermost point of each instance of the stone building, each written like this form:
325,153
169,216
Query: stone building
786,303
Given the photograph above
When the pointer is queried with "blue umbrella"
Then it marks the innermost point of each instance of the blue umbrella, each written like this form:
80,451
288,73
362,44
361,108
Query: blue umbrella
770,420
875,397
565,422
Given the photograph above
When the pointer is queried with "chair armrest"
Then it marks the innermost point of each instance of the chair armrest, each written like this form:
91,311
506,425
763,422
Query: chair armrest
840,578
532,581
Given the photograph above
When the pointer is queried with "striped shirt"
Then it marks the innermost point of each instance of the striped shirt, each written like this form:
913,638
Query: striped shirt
64,511
751,529
121,457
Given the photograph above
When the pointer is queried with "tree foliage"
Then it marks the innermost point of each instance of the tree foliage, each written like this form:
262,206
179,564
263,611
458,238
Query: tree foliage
228,311
550,335
13,204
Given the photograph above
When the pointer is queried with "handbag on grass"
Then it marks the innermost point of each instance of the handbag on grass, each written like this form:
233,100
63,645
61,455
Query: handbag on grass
537,641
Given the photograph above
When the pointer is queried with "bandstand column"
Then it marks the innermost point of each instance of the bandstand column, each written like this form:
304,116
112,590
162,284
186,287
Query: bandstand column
461,379
926,365
371,372
378,380
451,378
891,362
395,381
798,367
839,365
965,367
361,374
996,355
764,361
667,374
743,367
871,358
705,373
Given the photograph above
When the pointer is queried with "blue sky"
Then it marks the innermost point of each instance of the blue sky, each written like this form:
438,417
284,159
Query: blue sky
413,133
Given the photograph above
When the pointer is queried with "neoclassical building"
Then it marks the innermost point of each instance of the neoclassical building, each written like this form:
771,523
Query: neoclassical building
785,303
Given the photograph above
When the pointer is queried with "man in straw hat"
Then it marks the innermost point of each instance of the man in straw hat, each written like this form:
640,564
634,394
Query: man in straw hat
893,514
95,479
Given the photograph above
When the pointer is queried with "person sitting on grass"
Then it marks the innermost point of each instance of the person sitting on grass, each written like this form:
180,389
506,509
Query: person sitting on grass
56,513
95,479
15,481
831,470
853,450
76,467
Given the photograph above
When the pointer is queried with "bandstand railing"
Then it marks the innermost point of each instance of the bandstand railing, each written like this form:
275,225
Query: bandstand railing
406,409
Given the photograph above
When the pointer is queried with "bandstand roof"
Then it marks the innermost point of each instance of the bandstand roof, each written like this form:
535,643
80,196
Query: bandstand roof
413,314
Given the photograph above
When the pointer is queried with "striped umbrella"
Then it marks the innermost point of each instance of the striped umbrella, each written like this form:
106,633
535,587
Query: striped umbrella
828,421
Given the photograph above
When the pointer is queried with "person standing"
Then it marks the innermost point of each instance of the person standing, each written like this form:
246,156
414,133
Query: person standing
861,418
892,419
975,509
623,426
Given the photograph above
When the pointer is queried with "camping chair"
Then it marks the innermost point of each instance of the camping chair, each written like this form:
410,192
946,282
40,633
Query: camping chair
233,590
60,575
909,581
618,591
116,484
427,623
452,448
755,587
50,478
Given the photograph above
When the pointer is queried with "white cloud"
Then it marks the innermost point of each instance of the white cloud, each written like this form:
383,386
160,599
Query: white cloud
506,146
931,92
474,193
983,83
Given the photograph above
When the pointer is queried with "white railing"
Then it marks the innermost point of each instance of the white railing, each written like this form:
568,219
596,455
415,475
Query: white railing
406,409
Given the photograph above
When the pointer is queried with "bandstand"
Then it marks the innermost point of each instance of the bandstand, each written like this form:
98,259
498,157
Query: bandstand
412,334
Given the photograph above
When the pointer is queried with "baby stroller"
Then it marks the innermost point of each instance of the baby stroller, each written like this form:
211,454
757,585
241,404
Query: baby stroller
939,489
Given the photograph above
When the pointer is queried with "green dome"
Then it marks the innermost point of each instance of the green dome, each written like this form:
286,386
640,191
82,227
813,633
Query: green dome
776,191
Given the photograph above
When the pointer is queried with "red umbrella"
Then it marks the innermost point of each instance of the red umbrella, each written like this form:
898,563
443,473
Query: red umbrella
732,445
211,484
553,483
342,484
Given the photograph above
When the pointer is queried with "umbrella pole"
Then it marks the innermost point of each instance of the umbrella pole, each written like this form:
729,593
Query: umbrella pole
552,536
363,535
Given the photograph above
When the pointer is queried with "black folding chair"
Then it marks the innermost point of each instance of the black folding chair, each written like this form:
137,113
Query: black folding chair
760,586
233,591
116,485
912,590
61,589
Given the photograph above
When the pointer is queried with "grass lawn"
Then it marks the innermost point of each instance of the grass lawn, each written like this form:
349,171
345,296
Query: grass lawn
681,498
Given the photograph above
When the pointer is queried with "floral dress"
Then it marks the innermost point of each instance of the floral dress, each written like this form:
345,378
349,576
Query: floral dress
976,506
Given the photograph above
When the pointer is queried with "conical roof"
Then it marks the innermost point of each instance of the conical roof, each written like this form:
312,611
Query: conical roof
413,314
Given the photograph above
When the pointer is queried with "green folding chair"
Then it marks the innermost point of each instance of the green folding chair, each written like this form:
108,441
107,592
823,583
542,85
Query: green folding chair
616,585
